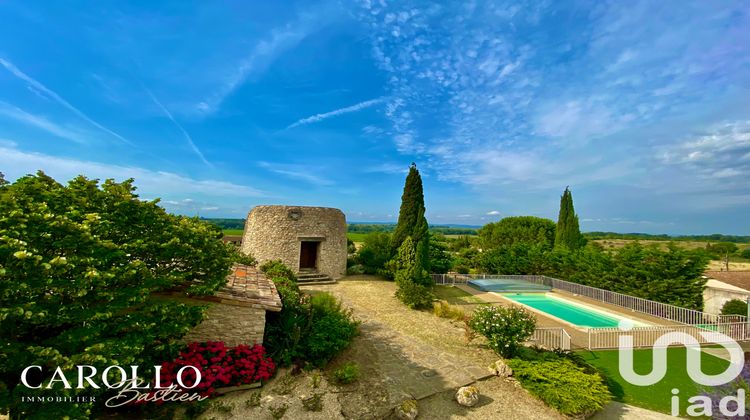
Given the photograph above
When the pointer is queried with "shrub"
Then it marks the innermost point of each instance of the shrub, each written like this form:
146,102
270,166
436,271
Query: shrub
562,384
734,307
443,309
220,366
355,269
332,329
277,269
79,268
745,253
415,296
375,252
307,331
346,374
505,327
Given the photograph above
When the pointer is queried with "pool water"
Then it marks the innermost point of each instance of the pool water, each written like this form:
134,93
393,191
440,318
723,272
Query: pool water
575,314
507,285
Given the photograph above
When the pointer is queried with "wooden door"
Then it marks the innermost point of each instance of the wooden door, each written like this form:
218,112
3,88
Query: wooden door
308,257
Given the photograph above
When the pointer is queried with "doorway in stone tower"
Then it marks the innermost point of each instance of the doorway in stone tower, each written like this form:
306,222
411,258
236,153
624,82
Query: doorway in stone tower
308,257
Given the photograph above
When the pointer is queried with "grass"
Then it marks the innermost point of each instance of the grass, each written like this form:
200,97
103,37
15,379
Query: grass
456,296
356,237
656,397
233,231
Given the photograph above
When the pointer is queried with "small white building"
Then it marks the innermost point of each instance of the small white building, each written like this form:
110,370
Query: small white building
723,286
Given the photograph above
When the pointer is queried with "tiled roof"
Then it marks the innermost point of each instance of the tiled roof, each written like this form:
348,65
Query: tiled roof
739,279
248,285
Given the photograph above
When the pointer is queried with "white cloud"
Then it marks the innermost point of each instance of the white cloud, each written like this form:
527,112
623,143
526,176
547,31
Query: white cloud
17,163
305,173
493,213
40,89
718,153
42,123
320,117
279,40
185,134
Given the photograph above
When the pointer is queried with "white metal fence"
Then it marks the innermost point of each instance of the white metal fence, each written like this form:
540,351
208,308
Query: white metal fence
644,306
551,338
608,338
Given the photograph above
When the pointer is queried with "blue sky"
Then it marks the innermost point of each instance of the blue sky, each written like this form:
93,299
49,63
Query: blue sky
643,108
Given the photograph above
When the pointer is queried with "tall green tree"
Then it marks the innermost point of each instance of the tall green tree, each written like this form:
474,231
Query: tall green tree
411,220
413,281
568,234
527,230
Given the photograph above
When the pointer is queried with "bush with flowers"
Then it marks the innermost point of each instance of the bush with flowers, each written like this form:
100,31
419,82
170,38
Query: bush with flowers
219,366
505,327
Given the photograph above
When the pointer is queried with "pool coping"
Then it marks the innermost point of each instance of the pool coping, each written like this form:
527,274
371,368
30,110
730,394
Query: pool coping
583,328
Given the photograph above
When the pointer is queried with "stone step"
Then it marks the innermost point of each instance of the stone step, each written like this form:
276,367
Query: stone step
313,283
309,279
312,276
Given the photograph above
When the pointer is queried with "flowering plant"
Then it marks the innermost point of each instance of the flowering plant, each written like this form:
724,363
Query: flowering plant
505,328
220,366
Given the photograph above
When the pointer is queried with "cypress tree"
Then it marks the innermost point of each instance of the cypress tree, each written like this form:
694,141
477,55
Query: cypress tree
411,220
568,234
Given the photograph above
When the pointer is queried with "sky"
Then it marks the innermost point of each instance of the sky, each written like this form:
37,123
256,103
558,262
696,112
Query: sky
642,108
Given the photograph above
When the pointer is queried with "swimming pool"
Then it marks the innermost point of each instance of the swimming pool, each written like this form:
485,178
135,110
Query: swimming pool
507,285
579,315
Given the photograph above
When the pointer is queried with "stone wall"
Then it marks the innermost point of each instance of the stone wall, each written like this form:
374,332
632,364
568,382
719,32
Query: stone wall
276,232
233,324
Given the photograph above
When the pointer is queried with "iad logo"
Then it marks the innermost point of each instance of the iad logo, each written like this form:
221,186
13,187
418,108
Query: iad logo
700,405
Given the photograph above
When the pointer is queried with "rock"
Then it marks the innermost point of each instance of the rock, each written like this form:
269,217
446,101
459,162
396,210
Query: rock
407,410
468,396
500,369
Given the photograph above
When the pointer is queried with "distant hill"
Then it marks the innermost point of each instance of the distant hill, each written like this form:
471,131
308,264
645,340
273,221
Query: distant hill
446,229
716,237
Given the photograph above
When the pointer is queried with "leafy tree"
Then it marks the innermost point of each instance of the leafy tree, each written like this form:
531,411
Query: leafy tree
440,260
413,282
734,307
375,252
722,250
411,219
671,276
518,229
79,267
520,258
568,234
745,253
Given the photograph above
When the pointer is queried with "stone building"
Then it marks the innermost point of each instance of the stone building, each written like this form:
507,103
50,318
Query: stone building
309,240
237,312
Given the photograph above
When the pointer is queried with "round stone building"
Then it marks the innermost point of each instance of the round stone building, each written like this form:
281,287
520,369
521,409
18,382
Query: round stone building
309,240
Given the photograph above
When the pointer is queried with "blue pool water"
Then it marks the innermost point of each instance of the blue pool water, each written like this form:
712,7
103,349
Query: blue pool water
559,308
507,285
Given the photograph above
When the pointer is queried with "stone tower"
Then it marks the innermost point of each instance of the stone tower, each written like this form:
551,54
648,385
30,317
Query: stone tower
309,240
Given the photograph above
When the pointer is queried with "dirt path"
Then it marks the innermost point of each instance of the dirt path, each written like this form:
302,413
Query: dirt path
408,353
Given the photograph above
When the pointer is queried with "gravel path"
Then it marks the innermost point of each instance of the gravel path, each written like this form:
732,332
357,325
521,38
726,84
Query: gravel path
414,353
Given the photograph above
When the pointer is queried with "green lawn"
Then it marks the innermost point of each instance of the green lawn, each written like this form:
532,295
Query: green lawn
233,231
356,237
456,296
658,396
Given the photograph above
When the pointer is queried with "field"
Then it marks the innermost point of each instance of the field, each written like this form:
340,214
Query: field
356,237
233,231
619,243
